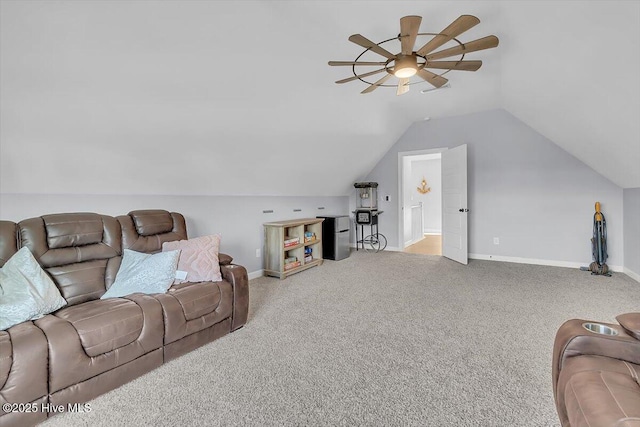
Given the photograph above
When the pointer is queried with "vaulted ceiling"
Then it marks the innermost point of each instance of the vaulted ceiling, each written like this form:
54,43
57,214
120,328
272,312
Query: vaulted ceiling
236,97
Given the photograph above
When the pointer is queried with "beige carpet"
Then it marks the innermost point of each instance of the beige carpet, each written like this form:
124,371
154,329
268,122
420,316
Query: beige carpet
378,339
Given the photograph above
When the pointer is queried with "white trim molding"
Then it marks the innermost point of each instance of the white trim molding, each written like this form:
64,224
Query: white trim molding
635,276
553,263
400,201
255,274
388,248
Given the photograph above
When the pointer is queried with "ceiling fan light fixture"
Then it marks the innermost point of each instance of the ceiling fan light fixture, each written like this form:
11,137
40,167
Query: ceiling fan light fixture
405,66
411,62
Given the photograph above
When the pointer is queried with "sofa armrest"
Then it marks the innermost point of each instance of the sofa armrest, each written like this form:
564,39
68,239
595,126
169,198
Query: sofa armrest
224,259
572,339
631,324
237,276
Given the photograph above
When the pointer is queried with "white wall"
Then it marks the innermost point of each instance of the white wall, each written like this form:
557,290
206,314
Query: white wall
431,201
593,117
406,199
537,198
631,232
238,219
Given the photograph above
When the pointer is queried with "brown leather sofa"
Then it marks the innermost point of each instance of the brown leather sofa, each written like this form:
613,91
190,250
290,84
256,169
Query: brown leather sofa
92,346
596,371
23,354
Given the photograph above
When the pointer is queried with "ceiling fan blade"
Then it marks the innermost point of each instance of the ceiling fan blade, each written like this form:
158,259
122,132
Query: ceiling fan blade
480,44
432,78
403,86
457,27
371,73
409,26
366,43
455,65
377,84
341,63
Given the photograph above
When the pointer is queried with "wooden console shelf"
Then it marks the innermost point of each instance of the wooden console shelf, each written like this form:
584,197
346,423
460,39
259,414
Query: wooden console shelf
276,252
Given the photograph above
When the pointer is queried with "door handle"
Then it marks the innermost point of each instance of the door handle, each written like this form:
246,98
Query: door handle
463,210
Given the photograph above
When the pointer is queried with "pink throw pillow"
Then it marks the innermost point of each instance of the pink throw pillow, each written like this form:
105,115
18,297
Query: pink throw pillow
198,257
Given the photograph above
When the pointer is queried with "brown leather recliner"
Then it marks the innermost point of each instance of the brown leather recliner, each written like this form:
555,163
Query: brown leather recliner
92,346
596,371
23,355
194,313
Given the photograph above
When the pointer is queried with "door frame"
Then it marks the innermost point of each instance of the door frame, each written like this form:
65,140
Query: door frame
401,156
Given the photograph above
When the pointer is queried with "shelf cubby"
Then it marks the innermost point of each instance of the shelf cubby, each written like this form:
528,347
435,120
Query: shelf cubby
275,251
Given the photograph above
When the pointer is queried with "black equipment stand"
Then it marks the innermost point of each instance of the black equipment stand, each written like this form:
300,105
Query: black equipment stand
375,241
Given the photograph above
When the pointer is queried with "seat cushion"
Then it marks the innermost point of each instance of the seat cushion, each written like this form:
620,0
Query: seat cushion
196,299
600,391
192,307
104,325
80,337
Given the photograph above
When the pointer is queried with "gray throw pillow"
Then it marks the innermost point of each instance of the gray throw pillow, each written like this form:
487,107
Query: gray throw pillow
144,273
26,290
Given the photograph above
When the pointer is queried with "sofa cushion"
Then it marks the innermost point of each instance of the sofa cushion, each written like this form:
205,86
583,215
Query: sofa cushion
192,307
150,222
26,291
196,299
81,266
198,258
598,390
65,231
104,325
144,273
145,231
70,345
602,398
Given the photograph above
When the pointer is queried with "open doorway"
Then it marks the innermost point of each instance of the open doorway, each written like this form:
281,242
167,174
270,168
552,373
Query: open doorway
421,201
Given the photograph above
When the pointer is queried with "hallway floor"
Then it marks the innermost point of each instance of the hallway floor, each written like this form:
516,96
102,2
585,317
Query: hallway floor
430,245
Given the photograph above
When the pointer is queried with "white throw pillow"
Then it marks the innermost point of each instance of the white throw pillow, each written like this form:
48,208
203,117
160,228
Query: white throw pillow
144,273
26,290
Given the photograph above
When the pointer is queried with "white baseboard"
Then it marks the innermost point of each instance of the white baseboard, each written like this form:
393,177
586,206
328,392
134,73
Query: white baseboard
635,276
388,248
553,263
431,231
255,274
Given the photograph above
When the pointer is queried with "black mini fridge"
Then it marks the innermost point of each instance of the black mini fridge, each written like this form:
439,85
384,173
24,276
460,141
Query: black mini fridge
335,237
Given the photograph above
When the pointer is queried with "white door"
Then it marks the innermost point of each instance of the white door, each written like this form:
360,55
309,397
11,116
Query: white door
454,204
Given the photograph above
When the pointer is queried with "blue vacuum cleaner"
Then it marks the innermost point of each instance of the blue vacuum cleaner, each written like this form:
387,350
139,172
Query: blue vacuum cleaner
599,245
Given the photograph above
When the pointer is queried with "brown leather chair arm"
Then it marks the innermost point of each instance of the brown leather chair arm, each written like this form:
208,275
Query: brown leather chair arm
572,339
224,259
631,323
237,276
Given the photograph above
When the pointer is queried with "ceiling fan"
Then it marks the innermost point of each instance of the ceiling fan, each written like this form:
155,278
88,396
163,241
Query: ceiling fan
409,63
